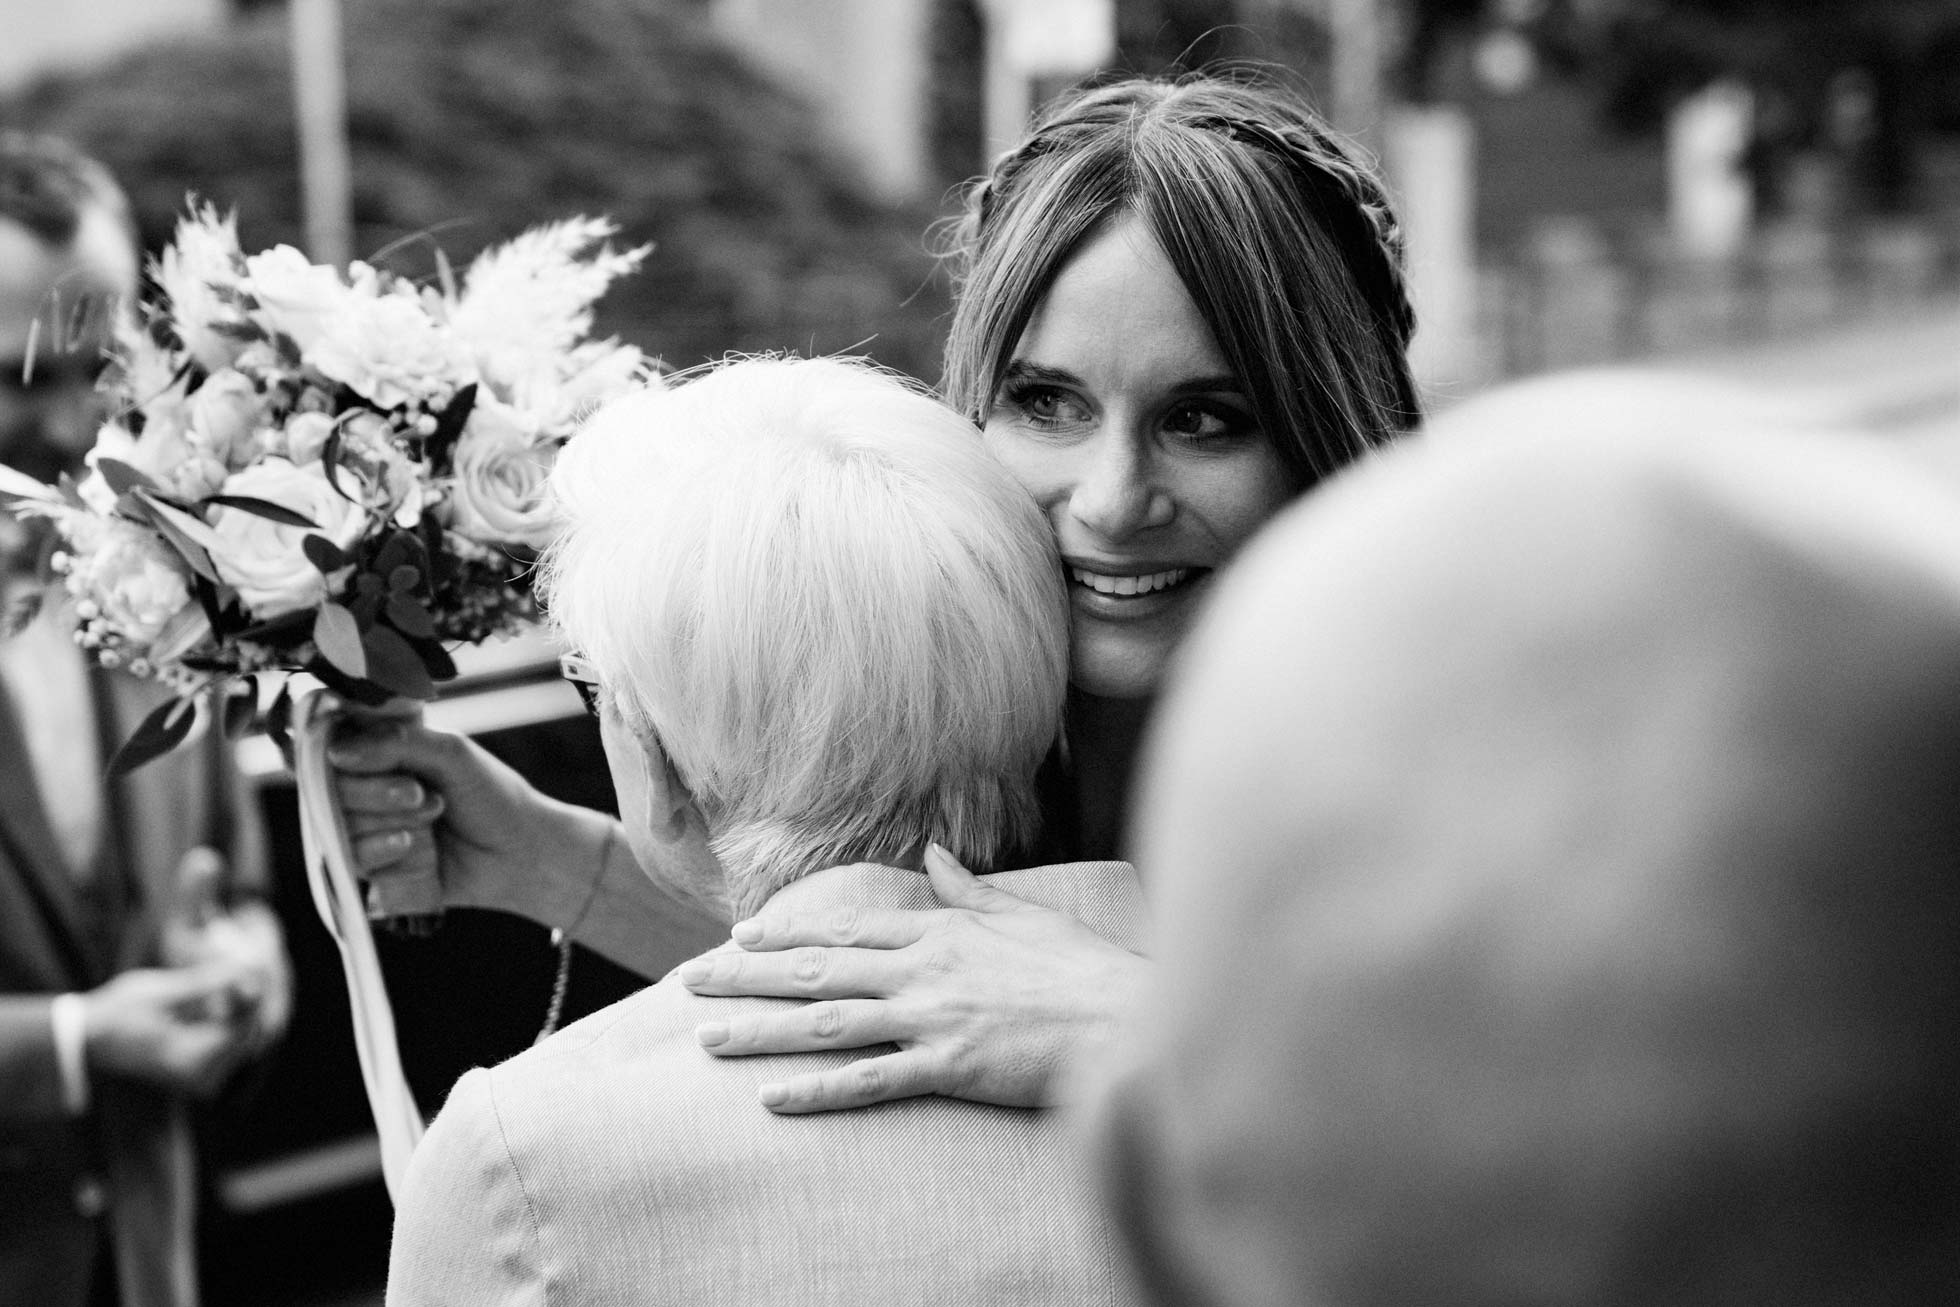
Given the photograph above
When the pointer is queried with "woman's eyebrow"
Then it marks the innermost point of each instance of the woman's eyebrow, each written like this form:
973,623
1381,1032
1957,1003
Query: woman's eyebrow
1223,383
1022,370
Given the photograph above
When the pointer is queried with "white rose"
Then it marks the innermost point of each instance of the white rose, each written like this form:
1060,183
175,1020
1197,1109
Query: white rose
164,453
262,559
498,494
138,582
294,296
224,413
306,435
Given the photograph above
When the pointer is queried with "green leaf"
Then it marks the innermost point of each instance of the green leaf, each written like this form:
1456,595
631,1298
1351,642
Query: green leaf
404,578
181,530
449,425
122,478
163,730
338,636
395,666
322,553
264,508
409,617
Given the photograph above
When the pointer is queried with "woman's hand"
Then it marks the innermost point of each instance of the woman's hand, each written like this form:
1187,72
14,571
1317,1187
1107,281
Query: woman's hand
988,998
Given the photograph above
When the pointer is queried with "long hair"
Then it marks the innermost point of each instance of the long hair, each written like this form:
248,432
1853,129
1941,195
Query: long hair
1283,238
841,617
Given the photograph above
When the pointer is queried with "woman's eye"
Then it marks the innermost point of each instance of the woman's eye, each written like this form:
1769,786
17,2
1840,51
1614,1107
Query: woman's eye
1045,405
1207,421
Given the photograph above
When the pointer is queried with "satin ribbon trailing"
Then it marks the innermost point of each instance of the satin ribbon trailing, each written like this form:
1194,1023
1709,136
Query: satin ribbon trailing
337,895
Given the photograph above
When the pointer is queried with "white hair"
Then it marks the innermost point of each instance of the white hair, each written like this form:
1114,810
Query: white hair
842,618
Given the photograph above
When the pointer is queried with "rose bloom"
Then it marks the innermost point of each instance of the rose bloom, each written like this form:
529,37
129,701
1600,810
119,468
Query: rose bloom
138,582
224,413
306,434
164,453
262,559
295,296
498,495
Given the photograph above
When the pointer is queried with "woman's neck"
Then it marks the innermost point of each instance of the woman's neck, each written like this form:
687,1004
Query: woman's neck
1104,736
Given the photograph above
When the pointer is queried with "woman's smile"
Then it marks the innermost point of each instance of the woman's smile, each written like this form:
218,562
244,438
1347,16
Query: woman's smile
1122,418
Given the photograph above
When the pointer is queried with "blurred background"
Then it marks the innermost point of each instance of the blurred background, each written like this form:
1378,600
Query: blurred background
1762,188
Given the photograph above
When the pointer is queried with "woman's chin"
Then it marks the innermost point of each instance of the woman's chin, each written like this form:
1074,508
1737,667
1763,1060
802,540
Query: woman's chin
1127,667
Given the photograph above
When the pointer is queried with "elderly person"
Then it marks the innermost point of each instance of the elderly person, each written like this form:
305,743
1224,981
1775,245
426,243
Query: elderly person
1556,836
826,638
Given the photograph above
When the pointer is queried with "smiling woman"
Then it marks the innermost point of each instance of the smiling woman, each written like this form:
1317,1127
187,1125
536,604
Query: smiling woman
1180,306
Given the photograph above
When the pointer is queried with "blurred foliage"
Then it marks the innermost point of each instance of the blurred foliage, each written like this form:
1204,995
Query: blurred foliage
472,119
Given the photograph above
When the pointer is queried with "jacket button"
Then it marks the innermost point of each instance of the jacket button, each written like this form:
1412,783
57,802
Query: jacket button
90,1197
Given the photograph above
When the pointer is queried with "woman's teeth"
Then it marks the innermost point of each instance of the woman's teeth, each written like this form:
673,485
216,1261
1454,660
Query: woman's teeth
1129,585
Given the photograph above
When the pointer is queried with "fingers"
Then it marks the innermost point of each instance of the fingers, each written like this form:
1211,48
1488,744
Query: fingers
959,888
392,794
844,927
816,1027
808,972
873,1080
370,748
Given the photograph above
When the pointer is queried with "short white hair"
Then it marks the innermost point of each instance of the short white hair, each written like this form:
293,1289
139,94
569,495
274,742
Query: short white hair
842,617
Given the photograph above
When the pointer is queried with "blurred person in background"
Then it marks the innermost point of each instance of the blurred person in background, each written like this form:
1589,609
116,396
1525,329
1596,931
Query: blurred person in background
138,966
1553,842
827,641
1181,305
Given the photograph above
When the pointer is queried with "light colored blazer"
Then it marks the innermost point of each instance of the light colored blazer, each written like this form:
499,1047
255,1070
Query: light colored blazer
618,1163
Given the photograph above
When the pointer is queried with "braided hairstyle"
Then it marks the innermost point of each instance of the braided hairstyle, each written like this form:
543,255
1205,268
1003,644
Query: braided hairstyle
1282,236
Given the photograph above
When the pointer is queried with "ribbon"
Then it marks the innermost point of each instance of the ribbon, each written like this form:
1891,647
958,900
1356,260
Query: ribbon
330,874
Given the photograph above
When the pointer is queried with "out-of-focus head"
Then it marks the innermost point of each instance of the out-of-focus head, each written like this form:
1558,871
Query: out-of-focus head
1180,303
808,586
68,262
1553,830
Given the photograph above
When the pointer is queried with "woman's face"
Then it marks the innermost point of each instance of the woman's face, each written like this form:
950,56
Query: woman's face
1119,413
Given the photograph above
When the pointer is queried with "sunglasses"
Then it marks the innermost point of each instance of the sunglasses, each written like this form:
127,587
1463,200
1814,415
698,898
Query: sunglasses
574,668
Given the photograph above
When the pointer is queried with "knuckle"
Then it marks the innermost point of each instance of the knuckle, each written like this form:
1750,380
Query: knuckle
809,964
869,1080
846,923
827,1020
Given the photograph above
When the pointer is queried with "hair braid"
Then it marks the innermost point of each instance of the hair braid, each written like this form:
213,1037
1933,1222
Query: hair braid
1368,228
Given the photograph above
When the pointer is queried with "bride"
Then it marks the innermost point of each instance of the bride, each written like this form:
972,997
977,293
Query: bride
1181,305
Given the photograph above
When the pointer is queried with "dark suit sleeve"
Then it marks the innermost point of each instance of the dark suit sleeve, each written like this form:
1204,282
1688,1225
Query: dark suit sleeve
30,1084
465,1231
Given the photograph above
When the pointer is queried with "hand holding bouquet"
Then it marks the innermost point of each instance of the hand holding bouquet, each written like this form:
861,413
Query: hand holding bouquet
338,474
333,473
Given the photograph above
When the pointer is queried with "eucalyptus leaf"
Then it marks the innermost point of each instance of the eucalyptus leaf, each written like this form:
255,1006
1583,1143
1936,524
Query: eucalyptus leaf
394,665
157,734
264,508
338,636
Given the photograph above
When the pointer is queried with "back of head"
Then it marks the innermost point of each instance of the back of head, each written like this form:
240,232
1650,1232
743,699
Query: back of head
1555,831
842,618
1279,231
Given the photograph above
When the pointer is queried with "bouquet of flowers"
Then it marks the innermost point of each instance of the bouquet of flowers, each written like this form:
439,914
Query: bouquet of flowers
324,472
311,471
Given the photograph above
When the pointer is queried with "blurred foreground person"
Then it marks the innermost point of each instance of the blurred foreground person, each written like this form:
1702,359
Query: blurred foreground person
136,967
827,641
1555,831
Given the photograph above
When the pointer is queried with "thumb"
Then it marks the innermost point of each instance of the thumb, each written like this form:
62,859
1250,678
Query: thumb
200,880
959,888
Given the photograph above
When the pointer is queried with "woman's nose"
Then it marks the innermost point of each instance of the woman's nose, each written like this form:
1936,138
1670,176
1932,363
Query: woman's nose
1116,494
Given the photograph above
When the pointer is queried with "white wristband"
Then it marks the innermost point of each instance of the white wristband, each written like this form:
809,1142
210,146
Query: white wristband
70,1016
